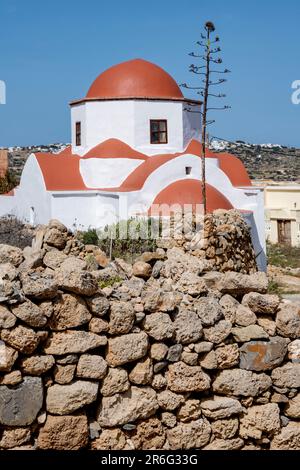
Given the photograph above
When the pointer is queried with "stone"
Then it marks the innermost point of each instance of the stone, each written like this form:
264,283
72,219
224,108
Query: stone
69,359
110,439
78,282
94,430
184,378
240,382
288,438
174,353
189,358
188,327
292,409
101,258
37,365
240,284
203,347
168,419
221,407
189,411
229,306
53,259
65,399
126,348
169,401
248,333
259,420
288,321
267,324
194,435
55,237
98,305
258,303
244,316
287,376
46,308
21,338
14,437
158,351
73,342
227,356
25,401
39,286
191,284
11,254
294,351
141,269
64,433
136,403
64,374
116,381
218,333
91,367
122,318
69,311
30,314
208,310
8,357
142,373
263,355
7,319
159,382
159,326
159,366
225,428
97,326
10,289
209,361
12,378
149,435
225,444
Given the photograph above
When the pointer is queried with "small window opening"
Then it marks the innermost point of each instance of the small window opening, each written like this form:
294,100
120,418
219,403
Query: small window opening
188,170
78,134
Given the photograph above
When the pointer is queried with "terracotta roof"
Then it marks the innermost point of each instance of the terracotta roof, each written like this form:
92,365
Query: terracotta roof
114,148
135,79
61,172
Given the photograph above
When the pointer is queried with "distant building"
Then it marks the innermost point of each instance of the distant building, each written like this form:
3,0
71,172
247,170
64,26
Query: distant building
135,146
282,213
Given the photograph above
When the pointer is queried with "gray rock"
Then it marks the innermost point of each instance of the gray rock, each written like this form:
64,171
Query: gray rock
98,305
242,335
263,355
159,326
208,310
241,382
287,376
174,353
188,327
220,408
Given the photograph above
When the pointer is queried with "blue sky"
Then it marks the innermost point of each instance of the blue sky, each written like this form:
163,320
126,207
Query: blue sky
51,51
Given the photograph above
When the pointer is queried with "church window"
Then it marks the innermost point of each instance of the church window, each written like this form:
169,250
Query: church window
78,134
159,131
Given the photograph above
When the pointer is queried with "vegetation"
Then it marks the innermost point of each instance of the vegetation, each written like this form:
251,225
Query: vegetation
8,182
283,256
109,282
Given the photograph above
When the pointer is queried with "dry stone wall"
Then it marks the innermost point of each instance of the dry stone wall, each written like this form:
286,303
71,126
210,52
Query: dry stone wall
164,354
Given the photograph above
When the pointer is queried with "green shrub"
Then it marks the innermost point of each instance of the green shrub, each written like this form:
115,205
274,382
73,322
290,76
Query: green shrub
8,182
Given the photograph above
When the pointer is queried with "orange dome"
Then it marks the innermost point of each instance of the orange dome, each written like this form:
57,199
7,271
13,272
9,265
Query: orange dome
135,79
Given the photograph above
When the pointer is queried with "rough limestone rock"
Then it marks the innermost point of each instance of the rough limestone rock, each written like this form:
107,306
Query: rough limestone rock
9,286
227,356
189,411
194,435
158,351
21,338
218,333
91,367
248,333
188,327
64,433
240,284
292,409
262,355
208,310
14,437
126,348
53,259
69,311
122,318
136,403
149,435
79,282
260,303
39,286
294,351
288,321
55,237
64,374
169,401
241,382
110,439
184,378
191,284
287,376
288,438
116,381
65,399
142,373
159,326
259,420
98,305
7,319
225,428
141,269
244,316
27,400
229,307
8,357
11,254
221,407
30,313
37,365
72,342
267,324
225,444
98,326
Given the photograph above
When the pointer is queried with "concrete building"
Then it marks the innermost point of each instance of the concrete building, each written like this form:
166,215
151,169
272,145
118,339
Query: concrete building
135,146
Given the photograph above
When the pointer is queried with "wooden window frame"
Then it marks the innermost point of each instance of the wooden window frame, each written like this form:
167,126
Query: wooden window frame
158,132
78,133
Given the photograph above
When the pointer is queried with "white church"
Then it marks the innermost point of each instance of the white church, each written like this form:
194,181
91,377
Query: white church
135,146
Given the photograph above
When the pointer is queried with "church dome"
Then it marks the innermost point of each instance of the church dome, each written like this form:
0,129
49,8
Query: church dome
135,79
